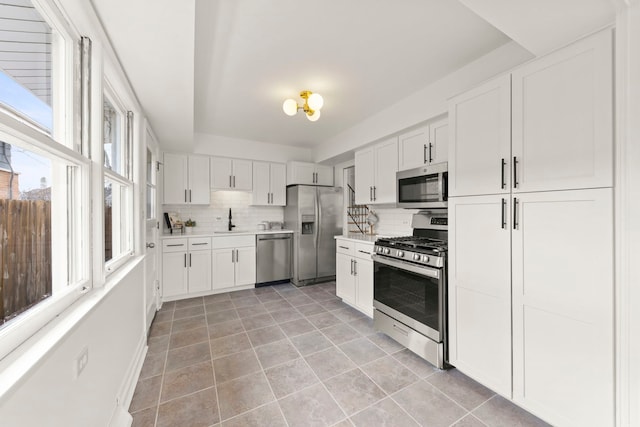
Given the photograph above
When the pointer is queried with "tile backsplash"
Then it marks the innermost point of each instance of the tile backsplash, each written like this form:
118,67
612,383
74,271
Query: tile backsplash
393,221
215,217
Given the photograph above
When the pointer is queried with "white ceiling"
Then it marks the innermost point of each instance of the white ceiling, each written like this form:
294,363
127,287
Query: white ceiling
224,67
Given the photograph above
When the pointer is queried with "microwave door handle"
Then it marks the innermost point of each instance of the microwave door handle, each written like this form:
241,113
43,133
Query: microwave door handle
440,186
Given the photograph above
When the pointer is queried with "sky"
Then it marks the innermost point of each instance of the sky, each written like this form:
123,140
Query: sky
30,166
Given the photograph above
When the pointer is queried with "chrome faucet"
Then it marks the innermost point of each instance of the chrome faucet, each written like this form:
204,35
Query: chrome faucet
231,225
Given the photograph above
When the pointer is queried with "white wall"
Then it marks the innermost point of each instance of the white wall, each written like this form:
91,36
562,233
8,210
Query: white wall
114,334
425,104
223,146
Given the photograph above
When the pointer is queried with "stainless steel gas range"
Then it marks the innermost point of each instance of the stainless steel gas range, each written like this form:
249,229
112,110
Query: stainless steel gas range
410,287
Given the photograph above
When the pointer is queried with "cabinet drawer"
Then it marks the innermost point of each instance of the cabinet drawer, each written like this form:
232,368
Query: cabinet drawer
344,246
220,242
363,250
174,245
199,243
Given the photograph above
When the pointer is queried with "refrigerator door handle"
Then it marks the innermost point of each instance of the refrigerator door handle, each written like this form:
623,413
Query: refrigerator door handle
318,227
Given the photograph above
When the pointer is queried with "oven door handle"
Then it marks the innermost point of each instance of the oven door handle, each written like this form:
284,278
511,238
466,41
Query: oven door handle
421,270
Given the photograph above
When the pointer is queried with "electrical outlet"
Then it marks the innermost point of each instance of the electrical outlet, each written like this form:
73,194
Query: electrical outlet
218,218
81,361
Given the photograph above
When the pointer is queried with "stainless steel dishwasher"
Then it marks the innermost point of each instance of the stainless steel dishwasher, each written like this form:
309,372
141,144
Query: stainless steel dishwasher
273,258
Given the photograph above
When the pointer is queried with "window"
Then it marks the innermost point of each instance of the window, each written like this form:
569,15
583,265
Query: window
118,187
43,260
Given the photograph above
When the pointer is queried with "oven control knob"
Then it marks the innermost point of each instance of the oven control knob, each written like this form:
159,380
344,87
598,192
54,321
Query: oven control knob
416,257
387,251
425,258
400,254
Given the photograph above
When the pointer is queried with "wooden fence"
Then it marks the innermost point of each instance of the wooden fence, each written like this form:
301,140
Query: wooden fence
25,255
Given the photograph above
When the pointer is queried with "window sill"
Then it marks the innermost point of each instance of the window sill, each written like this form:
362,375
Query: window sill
14,368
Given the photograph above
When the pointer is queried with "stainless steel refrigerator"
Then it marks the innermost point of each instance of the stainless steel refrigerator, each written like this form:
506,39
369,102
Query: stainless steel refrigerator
315,216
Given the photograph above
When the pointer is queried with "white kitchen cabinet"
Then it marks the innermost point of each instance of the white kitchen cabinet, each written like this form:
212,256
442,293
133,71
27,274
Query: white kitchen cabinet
354,274
234,261
480,289
269,184
563,306
309,174
563,118
423,146
480,145
186,267
231,174
376,168
186,179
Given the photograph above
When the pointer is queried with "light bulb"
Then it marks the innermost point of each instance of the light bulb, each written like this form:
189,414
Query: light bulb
315,116
315,101
290,107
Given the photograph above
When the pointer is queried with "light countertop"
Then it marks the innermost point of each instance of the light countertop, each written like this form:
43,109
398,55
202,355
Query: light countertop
358,237
211,233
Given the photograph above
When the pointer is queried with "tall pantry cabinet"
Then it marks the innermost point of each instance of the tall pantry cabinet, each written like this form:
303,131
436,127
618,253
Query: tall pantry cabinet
531,234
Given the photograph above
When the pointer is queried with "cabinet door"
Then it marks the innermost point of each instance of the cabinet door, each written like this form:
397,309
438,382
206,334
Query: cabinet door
199,189
199,271
245,266
563,306
345,280
221,173
278,184
175,179
242,175
261,180
364,162
480,139
324,175
563,118
174,274
413,148
439,140
386,166
223,268
364,280
480,290
300,173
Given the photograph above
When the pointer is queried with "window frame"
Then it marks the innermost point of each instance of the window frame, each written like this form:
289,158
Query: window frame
125,182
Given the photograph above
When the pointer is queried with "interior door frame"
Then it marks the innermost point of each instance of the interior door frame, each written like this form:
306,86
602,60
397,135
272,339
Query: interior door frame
152,297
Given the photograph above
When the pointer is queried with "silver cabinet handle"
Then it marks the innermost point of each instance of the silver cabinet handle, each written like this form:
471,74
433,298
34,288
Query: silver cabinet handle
430,147
424,154
237,256
199,244
344,247
185,195
185,260
230,185
234,181
233,256
374,193
355,267
190,196
176,244
504,213
351,267
189,260
515,172
515,213
371,194
364,252
503,164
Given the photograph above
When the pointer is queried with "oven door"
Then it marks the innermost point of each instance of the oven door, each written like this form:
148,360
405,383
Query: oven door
411,294
424,187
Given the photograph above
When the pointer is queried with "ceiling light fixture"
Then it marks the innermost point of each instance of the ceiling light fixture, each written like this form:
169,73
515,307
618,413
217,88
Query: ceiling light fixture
313,102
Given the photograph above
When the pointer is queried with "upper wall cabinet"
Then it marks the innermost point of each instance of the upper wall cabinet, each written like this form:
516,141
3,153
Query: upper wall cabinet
480,131
269,184
562,118
309,174
376,169
547,126
186,179
231,174
423,146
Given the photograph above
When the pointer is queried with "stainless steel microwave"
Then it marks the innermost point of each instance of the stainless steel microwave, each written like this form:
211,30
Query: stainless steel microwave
423,187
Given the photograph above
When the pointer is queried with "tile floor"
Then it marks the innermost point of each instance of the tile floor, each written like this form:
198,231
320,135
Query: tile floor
287,356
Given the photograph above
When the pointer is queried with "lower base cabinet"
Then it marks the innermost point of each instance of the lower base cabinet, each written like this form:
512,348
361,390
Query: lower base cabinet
234,261
186,266
354,274
533,317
